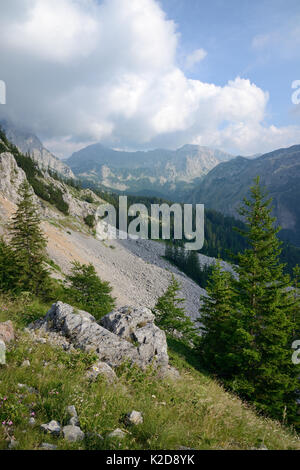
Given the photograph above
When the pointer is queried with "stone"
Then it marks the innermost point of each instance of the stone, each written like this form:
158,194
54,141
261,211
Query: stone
73,433
117,433
52,428
46,446
31,421
103,369
7,333
168,372
26,363
2,353
71,411
13,444
134,418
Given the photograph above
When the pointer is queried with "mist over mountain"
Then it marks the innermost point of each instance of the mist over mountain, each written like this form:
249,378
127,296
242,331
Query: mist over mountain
27,142
224,187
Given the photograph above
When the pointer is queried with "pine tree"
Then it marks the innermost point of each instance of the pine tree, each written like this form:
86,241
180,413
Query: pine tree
28,243
170,315
88,292
266,374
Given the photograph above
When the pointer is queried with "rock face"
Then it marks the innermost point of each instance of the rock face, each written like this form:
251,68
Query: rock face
7,333
127,335
11,176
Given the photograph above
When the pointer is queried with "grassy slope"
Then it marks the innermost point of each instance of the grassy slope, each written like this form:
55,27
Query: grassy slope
193,411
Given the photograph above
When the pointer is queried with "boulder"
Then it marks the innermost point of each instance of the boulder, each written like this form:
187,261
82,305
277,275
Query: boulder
52,428
7,333
103,369
137,325
73,433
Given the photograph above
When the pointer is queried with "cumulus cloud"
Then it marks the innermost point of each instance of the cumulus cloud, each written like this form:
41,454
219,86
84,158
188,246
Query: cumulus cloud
195,57
80,71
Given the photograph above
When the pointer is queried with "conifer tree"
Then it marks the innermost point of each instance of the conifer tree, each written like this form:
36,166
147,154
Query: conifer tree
88,292
266,374
221,330
7,268
28,243
170,315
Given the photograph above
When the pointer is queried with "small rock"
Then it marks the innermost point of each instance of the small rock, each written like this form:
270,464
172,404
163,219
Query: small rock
7,333
71,411
134,418
26,363
101,368
168,372
117,433
31,421
47,446
53,428
73,433
13,444
2,353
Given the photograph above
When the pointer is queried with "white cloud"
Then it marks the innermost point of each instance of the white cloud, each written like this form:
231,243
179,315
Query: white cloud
78,71
195,57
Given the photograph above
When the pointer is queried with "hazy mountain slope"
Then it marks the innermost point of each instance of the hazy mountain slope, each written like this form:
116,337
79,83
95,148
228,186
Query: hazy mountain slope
29,143
225,186
161,171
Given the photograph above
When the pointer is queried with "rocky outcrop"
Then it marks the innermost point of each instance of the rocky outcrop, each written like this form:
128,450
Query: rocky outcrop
11,177
129,335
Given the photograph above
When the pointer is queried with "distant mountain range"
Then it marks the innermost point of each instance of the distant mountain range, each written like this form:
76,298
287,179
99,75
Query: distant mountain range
30,143
160,172
224,187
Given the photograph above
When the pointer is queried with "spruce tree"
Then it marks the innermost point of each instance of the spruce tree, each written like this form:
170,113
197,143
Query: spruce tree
8,271
266,375
222,332
28,243
88,292
170,315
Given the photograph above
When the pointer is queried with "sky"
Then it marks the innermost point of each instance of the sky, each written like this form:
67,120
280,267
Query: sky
143,74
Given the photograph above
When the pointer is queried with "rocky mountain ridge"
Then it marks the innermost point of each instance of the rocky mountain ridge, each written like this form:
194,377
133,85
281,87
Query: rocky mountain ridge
225,186
158,171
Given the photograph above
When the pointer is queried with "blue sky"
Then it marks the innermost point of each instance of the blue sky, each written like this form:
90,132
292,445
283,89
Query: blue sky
227,29
142,74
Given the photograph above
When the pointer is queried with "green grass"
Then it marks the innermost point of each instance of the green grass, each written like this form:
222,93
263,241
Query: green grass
193,411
